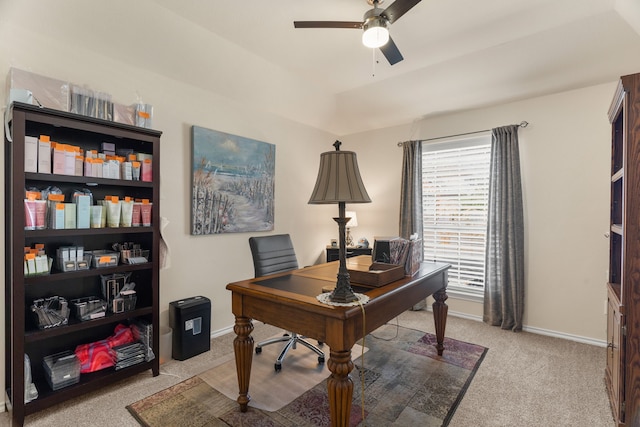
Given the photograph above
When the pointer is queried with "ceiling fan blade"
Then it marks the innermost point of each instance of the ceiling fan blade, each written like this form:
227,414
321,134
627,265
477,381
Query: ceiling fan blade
397,9
391,52
327,24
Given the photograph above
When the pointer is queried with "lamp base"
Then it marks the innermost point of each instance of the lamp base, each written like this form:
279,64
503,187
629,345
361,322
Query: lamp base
343,297
349,239
325,298
343,292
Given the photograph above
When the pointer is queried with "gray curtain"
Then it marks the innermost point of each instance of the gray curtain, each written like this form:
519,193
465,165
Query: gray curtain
504,274
411,190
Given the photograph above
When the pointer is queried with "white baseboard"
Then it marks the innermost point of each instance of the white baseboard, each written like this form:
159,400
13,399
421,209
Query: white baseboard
571,337
540,331
222,331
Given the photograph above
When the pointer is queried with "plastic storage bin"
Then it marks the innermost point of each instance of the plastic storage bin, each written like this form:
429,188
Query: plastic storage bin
103,258
89,308
190,321
62,369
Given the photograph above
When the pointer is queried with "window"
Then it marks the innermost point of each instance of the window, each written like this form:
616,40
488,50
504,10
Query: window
455,192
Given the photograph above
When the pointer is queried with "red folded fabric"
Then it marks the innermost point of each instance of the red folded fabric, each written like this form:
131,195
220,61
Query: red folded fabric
98,355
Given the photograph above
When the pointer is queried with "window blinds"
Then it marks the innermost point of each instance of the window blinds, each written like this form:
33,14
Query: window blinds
455,186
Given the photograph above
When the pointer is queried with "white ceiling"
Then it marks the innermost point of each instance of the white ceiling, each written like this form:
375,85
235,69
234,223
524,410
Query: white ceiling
459,54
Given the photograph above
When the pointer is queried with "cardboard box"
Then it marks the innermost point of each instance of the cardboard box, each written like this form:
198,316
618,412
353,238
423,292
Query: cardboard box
69,161
58,159
69,215
30,154
58,216
44,154
83,211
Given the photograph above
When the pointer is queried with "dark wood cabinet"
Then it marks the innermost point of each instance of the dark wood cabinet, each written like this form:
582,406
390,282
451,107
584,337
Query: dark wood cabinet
613,371
623,289
22,334
333,251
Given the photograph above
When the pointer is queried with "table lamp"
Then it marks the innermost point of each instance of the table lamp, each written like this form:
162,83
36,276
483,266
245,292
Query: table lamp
353,222
339,182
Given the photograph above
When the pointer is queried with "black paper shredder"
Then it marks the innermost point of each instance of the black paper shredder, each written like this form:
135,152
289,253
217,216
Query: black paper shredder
190,320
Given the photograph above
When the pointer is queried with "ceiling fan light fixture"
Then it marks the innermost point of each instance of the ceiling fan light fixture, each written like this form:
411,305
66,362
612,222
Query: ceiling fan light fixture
375,23
375,33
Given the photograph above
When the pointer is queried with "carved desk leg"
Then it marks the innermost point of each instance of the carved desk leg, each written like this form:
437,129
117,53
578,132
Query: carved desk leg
243,349
340,387
440,310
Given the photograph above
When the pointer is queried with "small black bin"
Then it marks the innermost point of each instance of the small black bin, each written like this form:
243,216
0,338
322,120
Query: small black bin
190,320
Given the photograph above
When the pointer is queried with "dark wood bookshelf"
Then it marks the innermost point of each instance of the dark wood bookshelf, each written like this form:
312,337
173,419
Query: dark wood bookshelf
22,335
622,372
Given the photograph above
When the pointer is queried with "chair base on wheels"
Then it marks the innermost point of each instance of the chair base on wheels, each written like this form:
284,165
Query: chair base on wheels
291,342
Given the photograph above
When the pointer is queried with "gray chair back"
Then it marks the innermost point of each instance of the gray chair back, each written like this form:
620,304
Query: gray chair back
272,254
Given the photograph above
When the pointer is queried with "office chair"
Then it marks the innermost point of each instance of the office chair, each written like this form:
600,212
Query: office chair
275,254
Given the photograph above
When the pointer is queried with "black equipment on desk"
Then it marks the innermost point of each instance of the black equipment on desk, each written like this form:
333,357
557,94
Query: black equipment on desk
381,249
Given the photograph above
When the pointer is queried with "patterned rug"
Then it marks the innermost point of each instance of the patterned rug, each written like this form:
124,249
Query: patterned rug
404,381
271,390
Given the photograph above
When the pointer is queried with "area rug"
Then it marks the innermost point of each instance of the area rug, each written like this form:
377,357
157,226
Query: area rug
403,379
271,390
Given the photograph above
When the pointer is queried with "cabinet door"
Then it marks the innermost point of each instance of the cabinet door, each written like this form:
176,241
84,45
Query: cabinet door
615,369
332,254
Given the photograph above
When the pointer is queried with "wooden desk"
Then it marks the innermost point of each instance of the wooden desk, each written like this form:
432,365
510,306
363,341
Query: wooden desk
288,300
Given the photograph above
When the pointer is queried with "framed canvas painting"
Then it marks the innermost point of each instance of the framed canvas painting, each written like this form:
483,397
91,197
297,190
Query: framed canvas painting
232,183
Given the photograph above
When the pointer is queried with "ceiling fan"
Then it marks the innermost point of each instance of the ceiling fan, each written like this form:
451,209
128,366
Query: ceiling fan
375,24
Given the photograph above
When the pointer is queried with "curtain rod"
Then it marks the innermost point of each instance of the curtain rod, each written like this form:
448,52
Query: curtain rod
522,124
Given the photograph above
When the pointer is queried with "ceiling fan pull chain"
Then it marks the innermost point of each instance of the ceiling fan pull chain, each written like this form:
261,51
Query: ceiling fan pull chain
373,62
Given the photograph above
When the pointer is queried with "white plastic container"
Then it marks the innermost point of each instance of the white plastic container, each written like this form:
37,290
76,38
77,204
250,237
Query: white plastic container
166,334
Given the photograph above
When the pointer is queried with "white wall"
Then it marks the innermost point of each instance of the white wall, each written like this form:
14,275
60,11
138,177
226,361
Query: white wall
564,153
200,265
565,158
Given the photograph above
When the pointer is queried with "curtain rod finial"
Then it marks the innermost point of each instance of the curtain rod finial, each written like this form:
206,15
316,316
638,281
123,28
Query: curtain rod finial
524,124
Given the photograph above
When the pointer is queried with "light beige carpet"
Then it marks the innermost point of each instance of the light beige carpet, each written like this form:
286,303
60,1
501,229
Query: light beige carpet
271,390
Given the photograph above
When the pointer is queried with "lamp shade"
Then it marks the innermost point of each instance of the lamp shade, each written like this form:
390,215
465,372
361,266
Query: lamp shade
353,222
339,180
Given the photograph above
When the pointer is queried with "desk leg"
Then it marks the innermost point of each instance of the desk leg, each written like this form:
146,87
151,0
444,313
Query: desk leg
340,387
440,309
243,349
